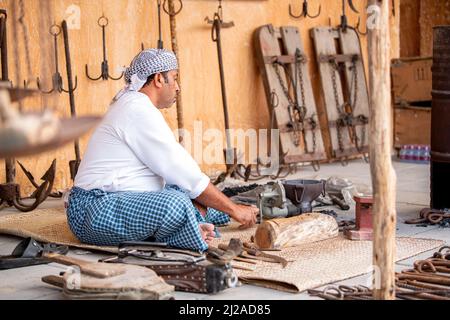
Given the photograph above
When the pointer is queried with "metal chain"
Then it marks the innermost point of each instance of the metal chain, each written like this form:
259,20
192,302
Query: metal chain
291,103
347,118
298,122
334,69
303,111
362,119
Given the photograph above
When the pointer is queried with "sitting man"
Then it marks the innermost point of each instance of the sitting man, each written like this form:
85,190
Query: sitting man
136,181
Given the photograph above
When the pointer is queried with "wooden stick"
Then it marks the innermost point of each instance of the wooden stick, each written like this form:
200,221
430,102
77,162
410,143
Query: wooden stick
173,39
383,175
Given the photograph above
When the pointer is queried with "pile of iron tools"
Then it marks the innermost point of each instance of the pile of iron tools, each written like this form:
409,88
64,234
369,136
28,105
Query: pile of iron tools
429,280
429,216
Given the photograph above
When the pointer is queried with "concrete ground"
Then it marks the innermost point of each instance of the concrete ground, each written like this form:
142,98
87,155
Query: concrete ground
413,194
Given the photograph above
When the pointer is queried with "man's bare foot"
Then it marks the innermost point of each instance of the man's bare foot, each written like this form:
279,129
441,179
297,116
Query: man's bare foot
207,231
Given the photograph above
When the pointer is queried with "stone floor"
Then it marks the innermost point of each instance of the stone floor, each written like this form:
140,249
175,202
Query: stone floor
412,195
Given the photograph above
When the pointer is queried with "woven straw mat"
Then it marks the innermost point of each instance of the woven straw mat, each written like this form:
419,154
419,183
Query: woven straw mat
311,265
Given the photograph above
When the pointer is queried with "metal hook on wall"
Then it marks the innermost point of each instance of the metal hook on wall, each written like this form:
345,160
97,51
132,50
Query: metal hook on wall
344,20
358,28
103,22
160,44
57,81
305,11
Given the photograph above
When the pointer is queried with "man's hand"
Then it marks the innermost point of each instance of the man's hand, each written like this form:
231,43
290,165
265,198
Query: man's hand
245,215
212,197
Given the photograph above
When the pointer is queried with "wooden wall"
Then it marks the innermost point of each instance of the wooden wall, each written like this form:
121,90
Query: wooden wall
409,28
418,17
134,21
432,13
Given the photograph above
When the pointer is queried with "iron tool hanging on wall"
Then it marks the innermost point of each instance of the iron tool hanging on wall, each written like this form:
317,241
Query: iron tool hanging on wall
57,81
217,25
305,11
103,23
231,156
160,44
344,20
73,164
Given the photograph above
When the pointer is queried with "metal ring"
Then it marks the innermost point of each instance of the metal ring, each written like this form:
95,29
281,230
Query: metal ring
166,10
435,218
54,32
103,18
339,294
419,265
273,98
443,248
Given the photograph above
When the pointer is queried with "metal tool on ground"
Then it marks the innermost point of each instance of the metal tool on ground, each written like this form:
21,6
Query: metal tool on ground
334,190
73,164
55,31
344,88
29,253
186,270
249,251
254,251
431,216
305,11
363,215
105,75
288,198
282,60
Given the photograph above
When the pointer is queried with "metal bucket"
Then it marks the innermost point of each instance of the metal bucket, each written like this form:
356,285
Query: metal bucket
440,119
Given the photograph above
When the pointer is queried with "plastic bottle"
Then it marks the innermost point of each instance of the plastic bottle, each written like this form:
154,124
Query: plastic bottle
416,153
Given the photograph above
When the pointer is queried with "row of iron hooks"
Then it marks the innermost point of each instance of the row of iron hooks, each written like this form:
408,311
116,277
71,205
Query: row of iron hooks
55,31
305,13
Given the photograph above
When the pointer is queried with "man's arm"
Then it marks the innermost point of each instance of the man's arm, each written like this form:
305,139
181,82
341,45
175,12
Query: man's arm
214,198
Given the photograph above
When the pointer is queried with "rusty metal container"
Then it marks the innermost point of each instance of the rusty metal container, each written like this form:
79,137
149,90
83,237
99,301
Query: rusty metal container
440,119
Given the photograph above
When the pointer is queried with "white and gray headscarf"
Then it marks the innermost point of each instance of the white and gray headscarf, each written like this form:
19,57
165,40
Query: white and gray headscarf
146,63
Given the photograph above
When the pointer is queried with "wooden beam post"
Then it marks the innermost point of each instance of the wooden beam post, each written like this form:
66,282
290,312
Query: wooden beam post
174,42
383,175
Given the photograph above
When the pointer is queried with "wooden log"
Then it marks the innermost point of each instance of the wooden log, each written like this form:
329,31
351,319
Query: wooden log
383,175
289,232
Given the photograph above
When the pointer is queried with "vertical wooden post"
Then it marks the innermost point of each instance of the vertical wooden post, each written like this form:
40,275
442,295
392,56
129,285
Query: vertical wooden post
173,39
383,175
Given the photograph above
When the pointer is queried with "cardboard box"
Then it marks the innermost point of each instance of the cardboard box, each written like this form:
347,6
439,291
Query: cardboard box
411,80
412,125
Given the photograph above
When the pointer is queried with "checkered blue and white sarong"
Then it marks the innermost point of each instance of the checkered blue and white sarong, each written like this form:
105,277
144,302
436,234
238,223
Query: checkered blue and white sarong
109,218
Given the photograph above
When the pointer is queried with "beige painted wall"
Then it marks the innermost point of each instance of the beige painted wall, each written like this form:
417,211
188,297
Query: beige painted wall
134,21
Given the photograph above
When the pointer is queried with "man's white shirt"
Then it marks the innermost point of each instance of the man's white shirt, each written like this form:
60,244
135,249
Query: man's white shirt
133,149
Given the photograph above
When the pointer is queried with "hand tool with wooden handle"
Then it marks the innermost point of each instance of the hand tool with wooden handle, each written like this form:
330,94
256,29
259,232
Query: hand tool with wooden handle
95,269
251,249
